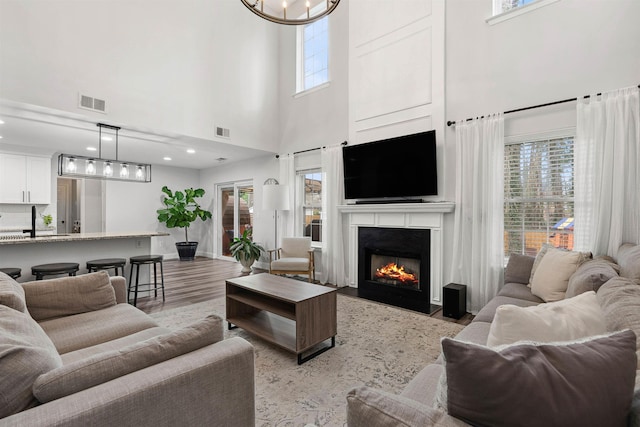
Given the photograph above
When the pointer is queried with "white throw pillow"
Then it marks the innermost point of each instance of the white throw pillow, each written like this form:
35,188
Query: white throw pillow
566,320
551,278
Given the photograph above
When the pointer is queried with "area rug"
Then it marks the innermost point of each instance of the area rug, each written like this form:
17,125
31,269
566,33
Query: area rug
377,345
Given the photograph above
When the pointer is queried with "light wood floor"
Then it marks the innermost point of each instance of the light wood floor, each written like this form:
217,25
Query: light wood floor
203,279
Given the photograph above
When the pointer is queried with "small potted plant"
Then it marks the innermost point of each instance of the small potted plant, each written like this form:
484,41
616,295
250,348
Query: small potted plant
245,250
47,219
181,210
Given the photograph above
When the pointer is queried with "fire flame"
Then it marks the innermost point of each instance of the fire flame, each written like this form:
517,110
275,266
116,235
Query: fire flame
395,272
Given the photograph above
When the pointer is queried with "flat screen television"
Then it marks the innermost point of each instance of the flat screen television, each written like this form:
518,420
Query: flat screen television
400,167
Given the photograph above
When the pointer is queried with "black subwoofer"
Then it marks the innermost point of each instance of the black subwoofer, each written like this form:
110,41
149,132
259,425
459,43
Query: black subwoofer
454,300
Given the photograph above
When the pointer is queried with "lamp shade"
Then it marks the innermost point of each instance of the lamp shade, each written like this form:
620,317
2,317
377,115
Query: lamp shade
275,197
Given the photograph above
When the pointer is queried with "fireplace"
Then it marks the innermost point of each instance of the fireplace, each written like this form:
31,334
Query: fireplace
394,266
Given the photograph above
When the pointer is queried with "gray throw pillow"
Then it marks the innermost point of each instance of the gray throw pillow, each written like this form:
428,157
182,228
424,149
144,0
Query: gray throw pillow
103,367
585,383
26,352
12,294
518,269
629,260
590,276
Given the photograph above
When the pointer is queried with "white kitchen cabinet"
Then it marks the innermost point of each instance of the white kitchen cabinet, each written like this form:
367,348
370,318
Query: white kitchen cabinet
25,179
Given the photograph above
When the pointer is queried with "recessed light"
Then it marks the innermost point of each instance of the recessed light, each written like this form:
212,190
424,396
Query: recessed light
107,138
1,122
191,151
1,136
167,158
92,149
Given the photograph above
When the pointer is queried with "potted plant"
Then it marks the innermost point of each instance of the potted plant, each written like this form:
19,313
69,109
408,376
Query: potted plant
180,211
245,250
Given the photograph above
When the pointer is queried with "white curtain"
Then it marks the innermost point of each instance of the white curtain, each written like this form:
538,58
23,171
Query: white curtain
333,259
287,224
607,179
478,241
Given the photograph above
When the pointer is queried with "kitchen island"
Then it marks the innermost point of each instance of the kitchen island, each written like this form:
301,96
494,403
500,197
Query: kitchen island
24,252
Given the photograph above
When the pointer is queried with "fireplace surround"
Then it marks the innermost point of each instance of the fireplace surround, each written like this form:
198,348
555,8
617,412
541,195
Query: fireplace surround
394,266
427,216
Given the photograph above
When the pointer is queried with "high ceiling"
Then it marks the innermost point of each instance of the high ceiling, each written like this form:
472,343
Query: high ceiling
44,131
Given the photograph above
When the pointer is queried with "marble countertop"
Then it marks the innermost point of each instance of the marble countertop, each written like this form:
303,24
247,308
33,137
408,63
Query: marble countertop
74,237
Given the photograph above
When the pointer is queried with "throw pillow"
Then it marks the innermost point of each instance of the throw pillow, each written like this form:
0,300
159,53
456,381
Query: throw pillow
586,383
12,294
564,320
541,253
518,268
25,353
47,299
551,278
103,367
590,276
629,260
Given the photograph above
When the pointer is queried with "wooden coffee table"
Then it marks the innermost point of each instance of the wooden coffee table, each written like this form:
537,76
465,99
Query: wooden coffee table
291,314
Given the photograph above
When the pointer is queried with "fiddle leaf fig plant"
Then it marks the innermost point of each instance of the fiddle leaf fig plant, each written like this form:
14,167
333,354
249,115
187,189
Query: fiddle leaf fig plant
182,209
244,248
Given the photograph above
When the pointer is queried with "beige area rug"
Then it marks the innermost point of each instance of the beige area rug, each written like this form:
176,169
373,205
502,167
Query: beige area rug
377,345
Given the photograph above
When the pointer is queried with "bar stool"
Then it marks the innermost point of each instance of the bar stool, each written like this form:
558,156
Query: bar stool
106,264
14,273
137,261
42,270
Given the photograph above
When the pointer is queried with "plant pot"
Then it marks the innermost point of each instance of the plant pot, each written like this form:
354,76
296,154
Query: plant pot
186,250
246,264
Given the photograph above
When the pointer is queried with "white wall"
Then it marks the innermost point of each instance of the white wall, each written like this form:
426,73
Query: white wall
132,206
317,118
564,50
172,66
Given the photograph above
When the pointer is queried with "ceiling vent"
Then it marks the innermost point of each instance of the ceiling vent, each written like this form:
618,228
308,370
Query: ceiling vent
221,159
93,104
223,132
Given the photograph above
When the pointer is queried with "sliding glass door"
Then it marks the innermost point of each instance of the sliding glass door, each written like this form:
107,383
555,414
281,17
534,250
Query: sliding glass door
235,207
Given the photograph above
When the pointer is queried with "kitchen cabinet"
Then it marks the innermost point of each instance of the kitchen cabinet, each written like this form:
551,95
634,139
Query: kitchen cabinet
25,179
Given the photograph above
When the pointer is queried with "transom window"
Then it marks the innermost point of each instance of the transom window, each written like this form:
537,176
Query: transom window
501,6
538,195
313,55
312,204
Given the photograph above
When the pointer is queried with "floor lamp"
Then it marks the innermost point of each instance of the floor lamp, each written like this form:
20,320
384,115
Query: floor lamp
275,198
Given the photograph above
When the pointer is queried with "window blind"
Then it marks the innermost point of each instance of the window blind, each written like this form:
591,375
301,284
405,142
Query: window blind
538,191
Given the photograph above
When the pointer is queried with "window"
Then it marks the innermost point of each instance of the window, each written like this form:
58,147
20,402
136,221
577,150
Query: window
311,181
507,9
501,6
313,55
538,195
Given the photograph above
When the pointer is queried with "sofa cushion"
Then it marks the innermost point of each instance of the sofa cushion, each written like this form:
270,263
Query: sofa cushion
518,269
71,333
104,367
629,261
422,388
592,382
590,276
564,320
487,312
551,279
368,407
519,291
117,344
12,294
290,264
48,299
25,353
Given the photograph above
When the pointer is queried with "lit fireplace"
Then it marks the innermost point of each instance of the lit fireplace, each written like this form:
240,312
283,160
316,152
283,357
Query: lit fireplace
393,266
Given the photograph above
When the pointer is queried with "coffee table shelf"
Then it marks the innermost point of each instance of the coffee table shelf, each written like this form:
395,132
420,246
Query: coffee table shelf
294,315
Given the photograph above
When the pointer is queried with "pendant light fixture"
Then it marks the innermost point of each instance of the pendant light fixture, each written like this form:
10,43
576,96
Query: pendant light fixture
99,168
280,12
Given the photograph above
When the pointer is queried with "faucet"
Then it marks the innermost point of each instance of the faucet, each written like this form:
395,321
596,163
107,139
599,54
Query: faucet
32,232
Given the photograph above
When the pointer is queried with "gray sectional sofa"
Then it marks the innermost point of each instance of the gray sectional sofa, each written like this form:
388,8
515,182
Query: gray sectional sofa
617,294
74,353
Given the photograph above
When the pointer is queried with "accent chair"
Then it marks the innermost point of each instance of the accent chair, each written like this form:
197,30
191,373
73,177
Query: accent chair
295,256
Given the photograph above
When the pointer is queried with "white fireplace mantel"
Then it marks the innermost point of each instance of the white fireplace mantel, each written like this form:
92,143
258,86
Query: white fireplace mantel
428,215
